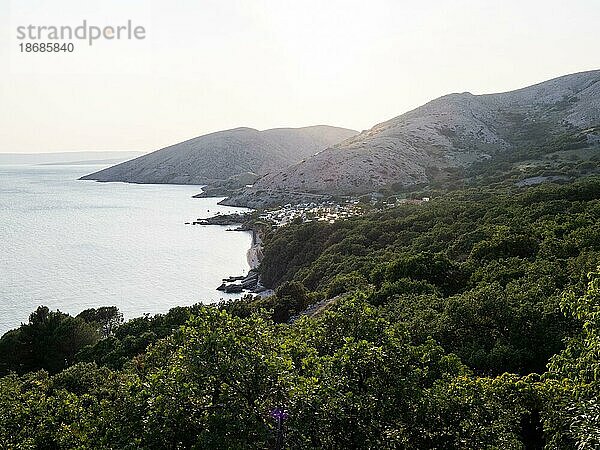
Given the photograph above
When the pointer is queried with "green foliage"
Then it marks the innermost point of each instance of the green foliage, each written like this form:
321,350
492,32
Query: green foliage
105,318
575,418
343,283
500,258
436,322
289,299
50,340
505,243
435,269
131,338
394,291
581,359
214,383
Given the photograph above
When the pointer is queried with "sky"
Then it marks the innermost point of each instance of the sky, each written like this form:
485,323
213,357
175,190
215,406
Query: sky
209,65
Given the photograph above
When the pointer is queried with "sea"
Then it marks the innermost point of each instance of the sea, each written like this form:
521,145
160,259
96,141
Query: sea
72,245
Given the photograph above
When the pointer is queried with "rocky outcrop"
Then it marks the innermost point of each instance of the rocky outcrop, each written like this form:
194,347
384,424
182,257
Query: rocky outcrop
223,219
249,283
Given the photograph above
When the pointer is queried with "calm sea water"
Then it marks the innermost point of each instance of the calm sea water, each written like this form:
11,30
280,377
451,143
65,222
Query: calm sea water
72,245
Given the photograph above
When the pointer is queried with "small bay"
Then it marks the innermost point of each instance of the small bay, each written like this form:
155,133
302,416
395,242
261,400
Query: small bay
73,245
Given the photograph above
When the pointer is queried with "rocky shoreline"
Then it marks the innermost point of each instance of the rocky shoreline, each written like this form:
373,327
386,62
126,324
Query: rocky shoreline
224,220
251,281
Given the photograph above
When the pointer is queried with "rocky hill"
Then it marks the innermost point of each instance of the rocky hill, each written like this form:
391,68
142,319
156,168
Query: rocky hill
450,132
225,155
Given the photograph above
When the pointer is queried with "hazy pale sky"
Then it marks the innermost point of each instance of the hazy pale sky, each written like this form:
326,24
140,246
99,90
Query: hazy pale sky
208,65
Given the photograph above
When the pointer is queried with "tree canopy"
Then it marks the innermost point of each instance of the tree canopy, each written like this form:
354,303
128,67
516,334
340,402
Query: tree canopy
468,322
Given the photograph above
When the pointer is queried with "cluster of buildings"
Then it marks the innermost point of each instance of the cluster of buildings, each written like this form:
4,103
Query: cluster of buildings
329,211
309,212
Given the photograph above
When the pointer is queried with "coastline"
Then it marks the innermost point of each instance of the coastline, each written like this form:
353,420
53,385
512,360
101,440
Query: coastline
251,281
83,218
254,254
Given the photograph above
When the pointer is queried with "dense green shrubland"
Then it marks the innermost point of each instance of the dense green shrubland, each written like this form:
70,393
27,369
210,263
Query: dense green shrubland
465,322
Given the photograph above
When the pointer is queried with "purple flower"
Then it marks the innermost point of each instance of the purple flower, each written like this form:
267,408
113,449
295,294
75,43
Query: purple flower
279,414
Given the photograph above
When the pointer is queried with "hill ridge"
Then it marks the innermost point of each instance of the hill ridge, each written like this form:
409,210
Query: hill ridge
220,155
449,132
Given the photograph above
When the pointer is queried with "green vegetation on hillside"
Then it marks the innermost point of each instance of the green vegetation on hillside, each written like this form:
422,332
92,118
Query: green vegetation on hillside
467,322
